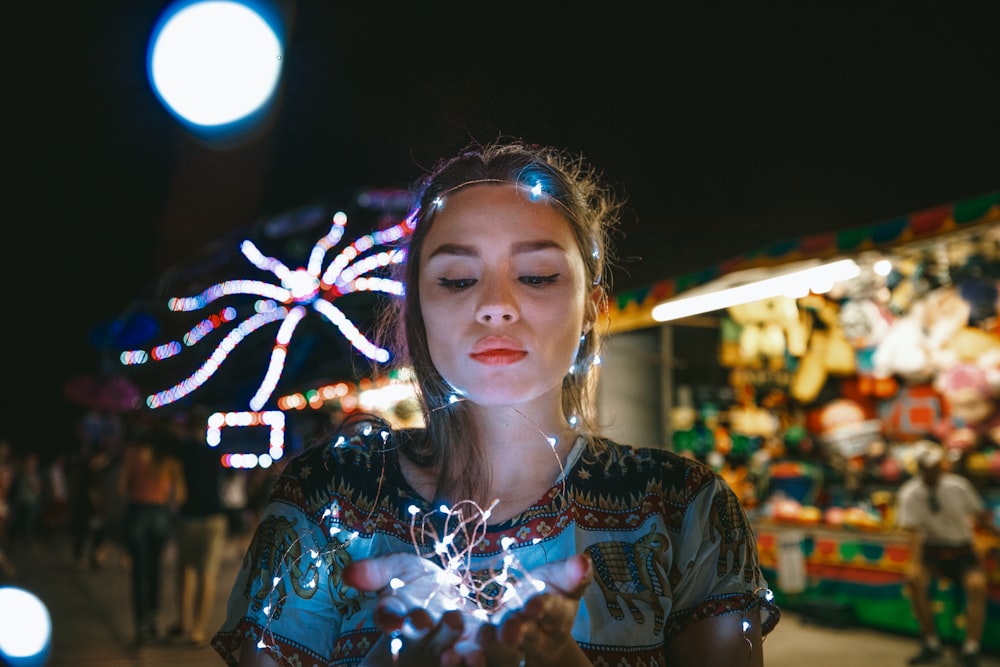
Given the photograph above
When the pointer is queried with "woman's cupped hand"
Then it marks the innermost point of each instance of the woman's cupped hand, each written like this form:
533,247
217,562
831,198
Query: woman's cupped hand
427,621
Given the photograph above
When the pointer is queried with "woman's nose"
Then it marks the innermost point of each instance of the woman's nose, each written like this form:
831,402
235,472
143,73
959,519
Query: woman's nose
496,305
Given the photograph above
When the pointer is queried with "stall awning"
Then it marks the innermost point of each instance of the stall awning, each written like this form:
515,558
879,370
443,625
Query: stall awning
632,309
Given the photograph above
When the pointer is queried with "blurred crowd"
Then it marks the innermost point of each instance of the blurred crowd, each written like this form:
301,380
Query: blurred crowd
77,500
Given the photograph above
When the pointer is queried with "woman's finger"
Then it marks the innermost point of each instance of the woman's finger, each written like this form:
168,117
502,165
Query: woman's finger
375,574
500,646
570,576
411,623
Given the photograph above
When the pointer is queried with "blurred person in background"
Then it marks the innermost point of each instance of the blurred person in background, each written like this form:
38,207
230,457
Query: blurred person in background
27,496
201,529
941,511
55,511
91,506
234,499
152,483
97,504
7,569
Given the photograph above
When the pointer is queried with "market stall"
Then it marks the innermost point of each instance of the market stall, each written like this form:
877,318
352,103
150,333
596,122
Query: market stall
840,576
836,353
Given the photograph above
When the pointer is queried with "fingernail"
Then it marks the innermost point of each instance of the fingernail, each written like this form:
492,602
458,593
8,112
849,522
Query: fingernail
410,631
454,620
393,606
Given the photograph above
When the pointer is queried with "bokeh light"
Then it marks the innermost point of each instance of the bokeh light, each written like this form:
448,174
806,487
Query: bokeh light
25,628
214,63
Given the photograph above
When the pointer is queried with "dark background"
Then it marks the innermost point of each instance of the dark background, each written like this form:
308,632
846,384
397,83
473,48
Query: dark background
724,127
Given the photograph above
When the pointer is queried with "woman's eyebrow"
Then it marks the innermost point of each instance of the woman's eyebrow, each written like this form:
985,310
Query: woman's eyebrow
533,246
454,249
519,248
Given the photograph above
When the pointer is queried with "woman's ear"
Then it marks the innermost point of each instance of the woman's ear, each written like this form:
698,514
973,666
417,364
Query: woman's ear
592,308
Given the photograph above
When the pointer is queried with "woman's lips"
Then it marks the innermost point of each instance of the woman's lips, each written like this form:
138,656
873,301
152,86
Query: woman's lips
499,356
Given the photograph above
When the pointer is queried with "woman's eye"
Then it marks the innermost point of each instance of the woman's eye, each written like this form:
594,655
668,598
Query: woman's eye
537,281
456,283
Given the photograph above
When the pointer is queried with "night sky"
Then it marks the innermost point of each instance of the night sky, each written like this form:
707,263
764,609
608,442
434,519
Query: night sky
724,128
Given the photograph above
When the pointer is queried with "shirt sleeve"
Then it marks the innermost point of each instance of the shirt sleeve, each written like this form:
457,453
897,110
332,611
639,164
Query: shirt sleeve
973,501
286,596
719,571
906,516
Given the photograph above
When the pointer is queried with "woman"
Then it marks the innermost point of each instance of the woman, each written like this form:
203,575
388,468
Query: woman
506,532
152,483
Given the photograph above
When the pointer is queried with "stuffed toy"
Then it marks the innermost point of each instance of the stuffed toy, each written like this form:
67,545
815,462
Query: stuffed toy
907,284
769,328
933,336
906,351
849,437
865,319
971,345
828,351
970,392
981,295
914,412
864,314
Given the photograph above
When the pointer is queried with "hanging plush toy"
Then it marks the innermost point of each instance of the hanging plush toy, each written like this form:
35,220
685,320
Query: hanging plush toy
864,312
906,351
769,328
866,319
970,392
828,351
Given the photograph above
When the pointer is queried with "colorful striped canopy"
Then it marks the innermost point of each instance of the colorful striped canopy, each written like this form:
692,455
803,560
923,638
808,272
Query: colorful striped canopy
632,309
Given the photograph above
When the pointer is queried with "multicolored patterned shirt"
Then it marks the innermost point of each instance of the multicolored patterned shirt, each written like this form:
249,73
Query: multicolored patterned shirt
668,538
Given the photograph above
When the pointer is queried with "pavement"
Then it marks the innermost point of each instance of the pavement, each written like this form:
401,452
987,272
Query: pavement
92,625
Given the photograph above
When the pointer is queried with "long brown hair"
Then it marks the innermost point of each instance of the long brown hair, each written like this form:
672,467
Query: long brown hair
450,442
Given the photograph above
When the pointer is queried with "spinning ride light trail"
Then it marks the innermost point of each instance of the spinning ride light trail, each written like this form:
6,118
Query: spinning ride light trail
301,290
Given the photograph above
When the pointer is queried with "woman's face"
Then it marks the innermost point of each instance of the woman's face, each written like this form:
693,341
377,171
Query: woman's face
503,295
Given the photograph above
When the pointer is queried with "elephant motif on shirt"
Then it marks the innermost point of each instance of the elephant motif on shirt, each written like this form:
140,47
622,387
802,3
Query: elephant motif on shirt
276,555
639,571
726,523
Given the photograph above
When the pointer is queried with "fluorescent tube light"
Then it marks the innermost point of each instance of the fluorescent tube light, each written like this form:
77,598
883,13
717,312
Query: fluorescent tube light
818,279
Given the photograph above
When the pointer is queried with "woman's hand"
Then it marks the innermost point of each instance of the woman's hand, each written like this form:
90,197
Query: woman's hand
539,633
427,622
419,610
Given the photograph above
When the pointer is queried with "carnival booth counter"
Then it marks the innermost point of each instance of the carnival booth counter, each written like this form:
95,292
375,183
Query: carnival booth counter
827,390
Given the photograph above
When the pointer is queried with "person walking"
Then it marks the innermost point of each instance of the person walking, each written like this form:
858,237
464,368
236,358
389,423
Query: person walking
27,498
152,483
91,506
940,510
201,530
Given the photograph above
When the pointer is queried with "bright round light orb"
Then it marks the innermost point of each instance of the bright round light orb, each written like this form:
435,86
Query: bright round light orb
25,628
213,62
